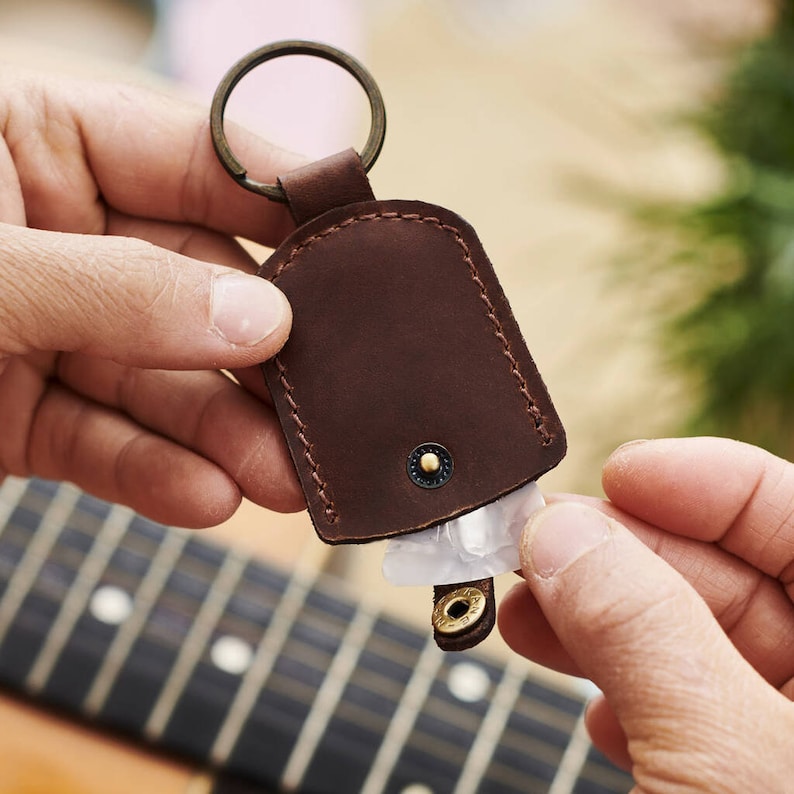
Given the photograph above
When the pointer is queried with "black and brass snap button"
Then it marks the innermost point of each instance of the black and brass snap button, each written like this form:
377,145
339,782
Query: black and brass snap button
430,465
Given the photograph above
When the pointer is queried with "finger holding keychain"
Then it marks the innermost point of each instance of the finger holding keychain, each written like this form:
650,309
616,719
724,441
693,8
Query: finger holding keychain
124,291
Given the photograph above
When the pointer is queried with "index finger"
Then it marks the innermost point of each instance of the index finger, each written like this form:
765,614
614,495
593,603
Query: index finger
147,154
176,174
711,489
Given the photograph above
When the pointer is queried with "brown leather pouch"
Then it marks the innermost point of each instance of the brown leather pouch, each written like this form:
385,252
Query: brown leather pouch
402,337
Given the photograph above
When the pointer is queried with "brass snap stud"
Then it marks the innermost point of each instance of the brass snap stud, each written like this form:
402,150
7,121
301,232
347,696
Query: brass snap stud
459,610
430,465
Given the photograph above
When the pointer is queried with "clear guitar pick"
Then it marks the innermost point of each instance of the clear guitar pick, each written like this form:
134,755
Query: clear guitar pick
477,545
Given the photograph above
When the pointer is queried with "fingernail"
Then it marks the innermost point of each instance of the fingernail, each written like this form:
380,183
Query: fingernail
622,456
637,442
246,309
560,534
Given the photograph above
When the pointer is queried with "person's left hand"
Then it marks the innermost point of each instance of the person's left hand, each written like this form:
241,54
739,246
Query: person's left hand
690,640
123,295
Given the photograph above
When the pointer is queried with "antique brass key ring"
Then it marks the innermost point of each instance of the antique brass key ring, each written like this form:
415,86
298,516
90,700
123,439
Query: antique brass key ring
235,168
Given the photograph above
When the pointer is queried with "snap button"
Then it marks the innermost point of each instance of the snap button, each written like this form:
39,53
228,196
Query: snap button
430,465
459,610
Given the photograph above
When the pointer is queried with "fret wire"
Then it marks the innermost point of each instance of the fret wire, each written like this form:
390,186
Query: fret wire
421,740
294,670
434,744
11,490
263,662
178,606
599,773
315,646
15,542
388,688
6,508
552,715
532,747
251,624
519,779
434,706
52,521
389,648
492,727
194,644
450,710
256,599
150,588
520,742
313,621
298,691
362,717
515,739
176,601
76,600
572,761
402,722
328,697
323,621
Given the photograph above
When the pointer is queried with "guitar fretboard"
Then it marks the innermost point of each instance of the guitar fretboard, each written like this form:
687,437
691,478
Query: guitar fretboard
272,677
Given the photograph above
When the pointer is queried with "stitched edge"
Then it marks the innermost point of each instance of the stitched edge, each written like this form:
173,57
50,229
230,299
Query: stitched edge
322,487
537,417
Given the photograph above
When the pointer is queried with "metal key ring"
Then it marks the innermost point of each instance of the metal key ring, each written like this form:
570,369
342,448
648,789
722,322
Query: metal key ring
237,170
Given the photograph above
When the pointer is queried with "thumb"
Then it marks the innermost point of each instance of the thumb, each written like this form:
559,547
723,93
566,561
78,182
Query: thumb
133,302
694,712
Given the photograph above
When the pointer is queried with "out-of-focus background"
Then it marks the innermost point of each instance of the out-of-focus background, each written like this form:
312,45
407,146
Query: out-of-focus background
537,121
627,165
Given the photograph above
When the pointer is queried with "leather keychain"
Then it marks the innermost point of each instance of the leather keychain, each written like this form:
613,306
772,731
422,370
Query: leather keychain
406,392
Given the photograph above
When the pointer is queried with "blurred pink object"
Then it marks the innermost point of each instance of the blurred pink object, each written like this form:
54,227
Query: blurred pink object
303,104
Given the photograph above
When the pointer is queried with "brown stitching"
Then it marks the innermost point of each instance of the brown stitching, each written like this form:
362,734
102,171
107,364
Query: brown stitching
322,488
532,408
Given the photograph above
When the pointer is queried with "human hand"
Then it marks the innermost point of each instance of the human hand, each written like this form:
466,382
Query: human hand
685,622
111,333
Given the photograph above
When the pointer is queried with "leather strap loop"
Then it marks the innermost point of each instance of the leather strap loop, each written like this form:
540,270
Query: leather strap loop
325,184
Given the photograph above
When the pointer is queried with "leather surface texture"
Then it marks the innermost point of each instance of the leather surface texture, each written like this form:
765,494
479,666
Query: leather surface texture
402,336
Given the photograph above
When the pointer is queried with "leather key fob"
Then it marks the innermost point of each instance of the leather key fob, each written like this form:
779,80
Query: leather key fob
406,392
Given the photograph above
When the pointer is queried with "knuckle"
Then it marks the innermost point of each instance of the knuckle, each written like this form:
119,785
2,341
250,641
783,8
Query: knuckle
647,618
631,612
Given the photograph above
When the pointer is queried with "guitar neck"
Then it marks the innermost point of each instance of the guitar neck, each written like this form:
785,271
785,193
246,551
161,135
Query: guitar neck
272,677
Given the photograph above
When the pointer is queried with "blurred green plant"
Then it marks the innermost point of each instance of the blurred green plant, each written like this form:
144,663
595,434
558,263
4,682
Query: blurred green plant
728,261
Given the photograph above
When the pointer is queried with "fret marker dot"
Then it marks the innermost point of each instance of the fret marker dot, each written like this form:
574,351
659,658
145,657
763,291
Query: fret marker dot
468,682
417,788
231,654
110,605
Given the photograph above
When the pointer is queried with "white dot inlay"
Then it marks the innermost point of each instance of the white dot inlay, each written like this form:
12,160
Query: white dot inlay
231,654
417,788
468,682
110,604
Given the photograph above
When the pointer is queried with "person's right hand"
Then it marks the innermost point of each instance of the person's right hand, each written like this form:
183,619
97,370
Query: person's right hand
124,291
675,598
